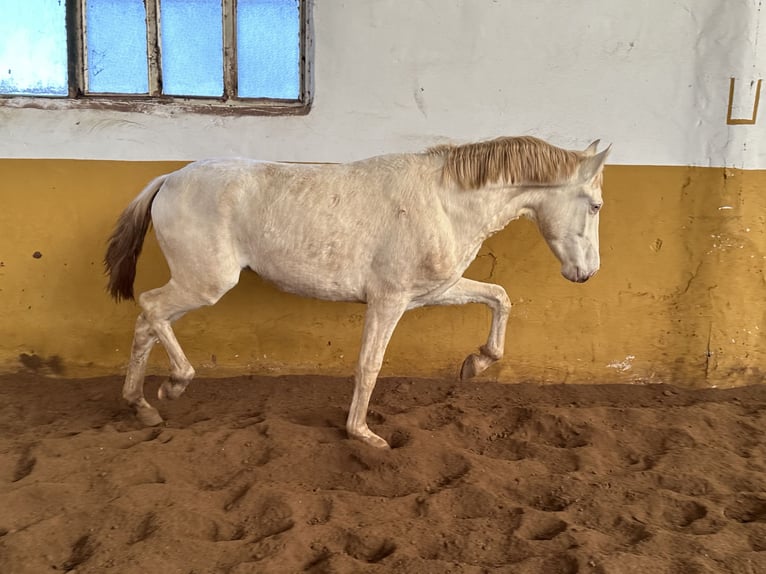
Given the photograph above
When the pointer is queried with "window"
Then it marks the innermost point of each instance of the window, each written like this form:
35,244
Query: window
204,54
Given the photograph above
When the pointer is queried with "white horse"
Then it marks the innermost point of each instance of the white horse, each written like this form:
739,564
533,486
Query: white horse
395,232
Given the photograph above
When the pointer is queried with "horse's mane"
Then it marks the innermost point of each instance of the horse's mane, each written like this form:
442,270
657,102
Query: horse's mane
512,160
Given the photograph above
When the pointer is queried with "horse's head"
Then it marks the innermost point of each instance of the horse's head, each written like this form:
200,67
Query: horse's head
568,217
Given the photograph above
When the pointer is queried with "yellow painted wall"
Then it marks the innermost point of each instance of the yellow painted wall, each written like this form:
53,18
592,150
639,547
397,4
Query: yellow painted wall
678,298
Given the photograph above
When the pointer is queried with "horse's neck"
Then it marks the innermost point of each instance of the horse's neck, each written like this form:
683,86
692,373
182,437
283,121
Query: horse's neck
478,214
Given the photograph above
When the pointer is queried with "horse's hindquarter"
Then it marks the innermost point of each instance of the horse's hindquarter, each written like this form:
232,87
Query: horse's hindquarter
192,219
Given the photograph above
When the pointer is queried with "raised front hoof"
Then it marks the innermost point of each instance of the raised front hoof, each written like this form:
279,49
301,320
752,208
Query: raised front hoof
148,416
474,364
170,390
369,438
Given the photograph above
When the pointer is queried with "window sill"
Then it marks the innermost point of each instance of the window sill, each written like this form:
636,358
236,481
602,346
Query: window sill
162,106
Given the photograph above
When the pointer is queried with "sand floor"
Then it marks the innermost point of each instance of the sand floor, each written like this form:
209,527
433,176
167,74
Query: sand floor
255,475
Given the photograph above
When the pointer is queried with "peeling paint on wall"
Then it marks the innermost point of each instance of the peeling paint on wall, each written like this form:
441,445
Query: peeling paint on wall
625,365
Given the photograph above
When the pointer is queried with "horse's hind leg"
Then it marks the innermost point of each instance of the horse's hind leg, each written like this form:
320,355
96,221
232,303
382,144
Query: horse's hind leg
133,389
161,307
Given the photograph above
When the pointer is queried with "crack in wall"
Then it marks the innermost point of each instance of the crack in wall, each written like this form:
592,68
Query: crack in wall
492,265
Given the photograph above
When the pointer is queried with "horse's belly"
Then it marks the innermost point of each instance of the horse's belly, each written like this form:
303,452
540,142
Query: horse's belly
317,278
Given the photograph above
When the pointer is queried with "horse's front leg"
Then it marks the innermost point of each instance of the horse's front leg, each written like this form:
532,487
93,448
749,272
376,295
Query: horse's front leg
495,297
379,324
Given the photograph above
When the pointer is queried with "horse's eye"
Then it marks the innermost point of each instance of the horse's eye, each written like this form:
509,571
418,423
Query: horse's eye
595,207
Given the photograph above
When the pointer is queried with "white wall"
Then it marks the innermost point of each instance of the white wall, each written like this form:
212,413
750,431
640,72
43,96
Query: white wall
652,77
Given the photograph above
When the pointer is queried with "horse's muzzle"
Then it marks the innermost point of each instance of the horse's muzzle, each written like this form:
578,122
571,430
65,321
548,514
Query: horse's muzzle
577,275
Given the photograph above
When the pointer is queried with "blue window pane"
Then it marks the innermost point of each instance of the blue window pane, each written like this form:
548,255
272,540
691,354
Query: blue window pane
192,47
116,46
268,49
33,49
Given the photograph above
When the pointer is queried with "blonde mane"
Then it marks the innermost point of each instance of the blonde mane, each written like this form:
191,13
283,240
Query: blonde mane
512,160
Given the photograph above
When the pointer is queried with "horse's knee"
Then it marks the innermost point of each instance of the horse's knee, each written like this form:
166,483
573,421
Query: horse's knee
503,304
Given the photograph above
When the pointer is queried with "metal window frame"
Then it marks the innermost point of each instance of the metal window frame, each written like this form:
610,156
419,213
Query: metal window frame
155,100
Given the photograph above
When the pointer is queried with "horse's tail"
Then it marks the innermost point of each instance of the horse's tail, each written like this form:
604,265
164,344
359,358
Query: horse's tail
127,240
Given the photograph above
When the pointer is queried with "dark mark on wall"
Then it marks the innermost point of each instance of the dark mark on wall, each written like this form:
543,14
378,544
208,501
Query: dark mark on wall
38,364
37,255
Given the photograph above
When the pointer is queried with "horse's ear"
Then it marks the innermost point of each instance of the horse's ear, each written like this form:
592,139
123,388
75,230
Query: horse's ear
591,149
593,165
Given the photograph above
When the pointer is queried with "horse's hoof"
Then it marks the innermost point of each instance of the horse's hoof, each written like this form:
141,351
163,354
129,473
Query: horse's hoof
371,439
376,441
469,368
148,416
170,390
475,364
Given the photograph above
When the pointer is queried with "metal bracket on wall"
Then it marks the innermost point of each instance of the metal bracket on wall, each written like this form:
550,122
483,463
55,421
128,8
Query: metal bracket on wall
742,121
